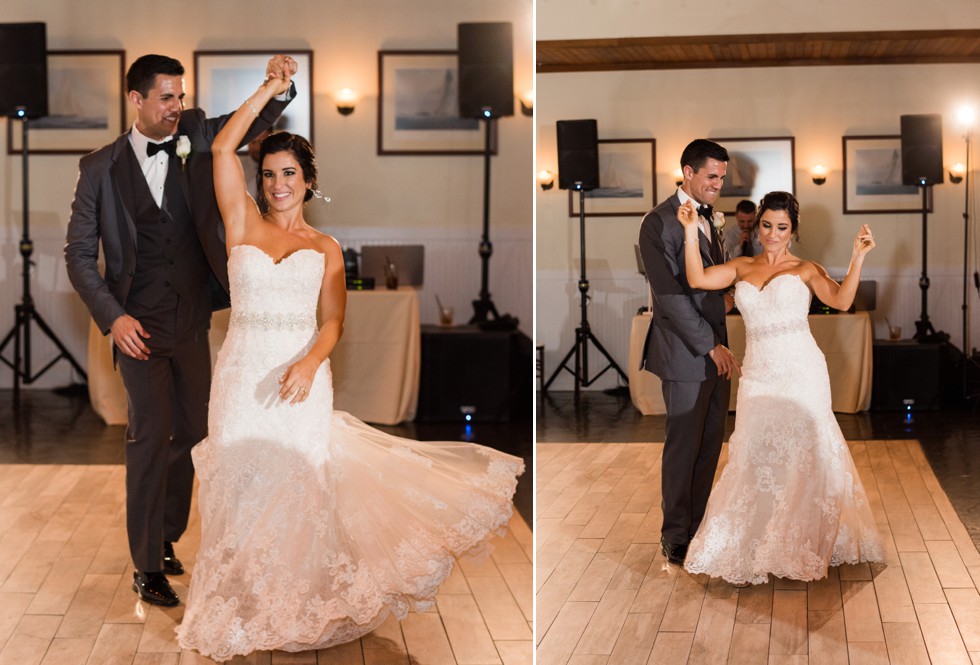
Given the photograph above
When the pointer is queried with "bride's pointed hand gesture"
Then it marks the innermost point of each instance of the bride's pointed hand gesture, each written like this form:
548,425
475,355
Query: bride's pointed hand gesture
687,214
864,242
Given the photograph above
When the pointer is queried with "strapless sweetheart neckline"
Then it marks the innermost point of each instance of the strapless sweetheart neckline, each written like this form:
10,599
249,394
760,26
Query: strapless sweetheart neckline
274,262
771,280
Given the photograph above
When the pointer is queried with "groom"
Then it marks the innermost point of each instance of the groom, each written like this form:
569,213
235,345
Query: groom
686,347
148,199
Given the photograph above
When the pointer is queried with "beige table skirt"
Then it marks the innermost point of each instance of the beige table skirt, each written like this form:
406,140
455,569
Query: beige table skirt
845,340
375,365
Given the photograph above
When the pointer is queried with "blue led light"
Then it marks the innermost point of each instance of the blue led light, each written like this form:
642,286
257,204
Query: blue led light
469,417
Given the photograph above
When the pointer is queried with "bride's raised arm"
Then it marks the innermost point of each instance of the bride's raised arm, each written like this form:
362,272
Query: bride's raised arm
229,178
712,278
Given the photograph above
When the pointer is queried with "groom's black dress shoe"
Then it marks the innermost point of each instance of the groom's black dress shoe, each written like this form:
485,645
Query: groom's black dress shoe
154,588
675,553
171,564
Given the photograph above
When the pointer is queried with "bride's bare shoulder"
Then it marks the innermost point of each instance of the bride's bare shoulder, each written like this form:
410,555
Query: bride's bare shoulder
327,244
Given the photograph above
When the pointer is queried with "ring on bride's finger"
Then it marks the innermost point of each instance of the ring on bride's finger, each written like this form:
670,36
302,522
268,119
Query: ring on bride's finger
302,390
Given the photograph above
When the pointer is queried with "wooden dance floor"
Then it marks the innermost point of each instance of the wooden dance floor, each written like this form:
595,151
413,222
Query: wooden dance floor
65,596
607,596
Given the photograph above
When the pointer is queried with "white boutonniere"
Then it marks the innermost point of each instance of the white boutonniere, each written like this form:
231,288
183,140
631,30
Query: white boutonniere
718,220
183,150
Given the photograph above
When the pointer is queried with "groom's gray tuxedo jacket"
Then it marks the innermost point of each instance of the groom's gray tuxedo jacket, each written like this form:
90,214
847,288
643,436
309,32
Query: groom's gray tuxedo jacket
686,323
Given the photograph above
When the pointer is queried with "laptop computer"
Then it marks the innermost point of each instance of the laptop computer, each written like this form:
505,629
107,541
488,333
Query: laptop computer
409,262
865,299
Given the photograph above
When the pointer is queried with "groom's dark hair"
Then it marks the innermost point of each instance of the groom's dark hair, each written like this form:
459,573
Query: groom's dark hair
699,151
143,72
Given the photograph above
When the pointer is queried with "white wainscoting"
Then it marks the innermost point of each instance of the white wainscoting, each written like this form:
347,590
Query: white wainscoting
617,295
452,270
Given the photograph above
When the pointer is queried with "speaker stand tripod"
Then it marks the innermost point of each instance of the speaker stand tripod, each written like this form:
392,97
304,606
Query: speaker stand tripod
583,334
25,313
484,307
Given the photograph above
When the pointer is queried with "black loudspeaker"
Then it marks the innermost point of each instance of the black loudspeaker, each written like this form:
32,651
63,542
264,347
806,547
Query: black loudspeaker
910,374
922,149
23,70
578,154
481,373
486,70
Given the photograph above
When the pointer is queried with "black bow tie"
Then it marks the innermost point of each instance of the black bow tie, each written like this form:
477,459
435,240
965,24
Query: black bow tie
169,147
705,211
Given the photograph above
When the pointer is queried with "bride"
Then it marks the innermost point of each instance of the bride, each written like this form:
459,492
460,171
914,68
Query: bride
314,526
790,501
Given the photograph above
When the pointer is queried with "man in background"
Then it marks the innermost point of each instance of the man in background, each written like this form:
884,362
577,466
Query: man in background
741,239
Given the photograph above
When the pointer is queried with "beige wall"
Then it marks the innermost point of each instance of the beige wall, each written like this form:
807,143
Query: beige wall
816,105
434,200
583,19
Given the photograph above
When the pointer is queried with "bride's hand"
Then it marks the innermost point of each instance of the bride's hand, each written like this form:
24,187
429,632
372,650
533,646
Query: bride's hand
864,242
297,381
278,85
687,214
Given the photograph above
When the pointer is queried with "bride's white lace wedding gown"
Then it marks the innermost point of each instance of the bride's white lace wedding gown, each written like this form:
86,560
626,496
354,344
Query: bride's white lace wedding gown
790,501
314,526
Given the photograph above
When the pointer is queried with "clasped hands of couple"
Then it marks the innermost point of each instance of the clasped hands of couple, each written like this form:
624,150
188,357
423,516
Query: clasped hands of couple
721,355
280,70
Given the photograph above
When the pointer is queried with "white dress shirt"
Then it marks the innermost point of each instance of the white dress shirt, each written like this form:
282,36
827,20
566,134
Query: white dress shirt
154,168
702,222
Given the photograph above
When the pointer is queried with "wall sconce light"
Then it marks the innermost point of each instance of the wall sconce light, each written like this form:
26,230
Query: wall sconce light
546,179
818,174
346,100
966,115
678,177
527,102
956,173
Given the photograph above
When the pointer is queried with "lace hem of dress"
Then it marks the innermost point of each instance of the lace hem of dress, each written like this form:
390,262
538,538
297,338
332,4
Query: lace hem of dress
361,577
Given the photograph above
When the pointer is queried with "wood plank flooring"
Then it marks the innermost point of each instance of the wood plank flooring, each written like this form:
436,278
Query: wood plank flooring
65,596
606,595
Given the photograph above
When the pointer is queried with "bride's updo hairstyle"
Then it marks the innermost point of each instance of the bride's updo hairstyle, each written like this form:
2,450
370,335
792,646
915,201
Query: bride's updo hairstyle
781,201
300,149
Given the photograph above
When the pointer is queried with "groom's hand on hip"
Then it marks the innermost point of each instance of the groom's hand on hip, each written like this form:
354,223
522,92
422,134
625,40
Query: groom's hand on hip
725,361
126,333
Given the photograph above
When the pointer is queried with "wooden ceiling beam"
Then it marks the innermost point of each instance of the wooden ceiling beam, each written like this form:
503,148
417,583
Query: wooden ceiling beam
759,50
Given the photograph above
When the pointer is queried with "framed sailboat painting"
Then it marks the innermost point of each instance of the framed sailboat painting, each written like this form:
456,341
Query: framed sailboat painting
873,177
418,107
86,105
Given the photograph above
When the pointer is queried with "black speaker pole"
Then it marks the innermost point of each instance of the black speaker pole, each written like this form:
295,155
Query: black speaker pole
583,334
484,306
967,352
24,313
923,327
